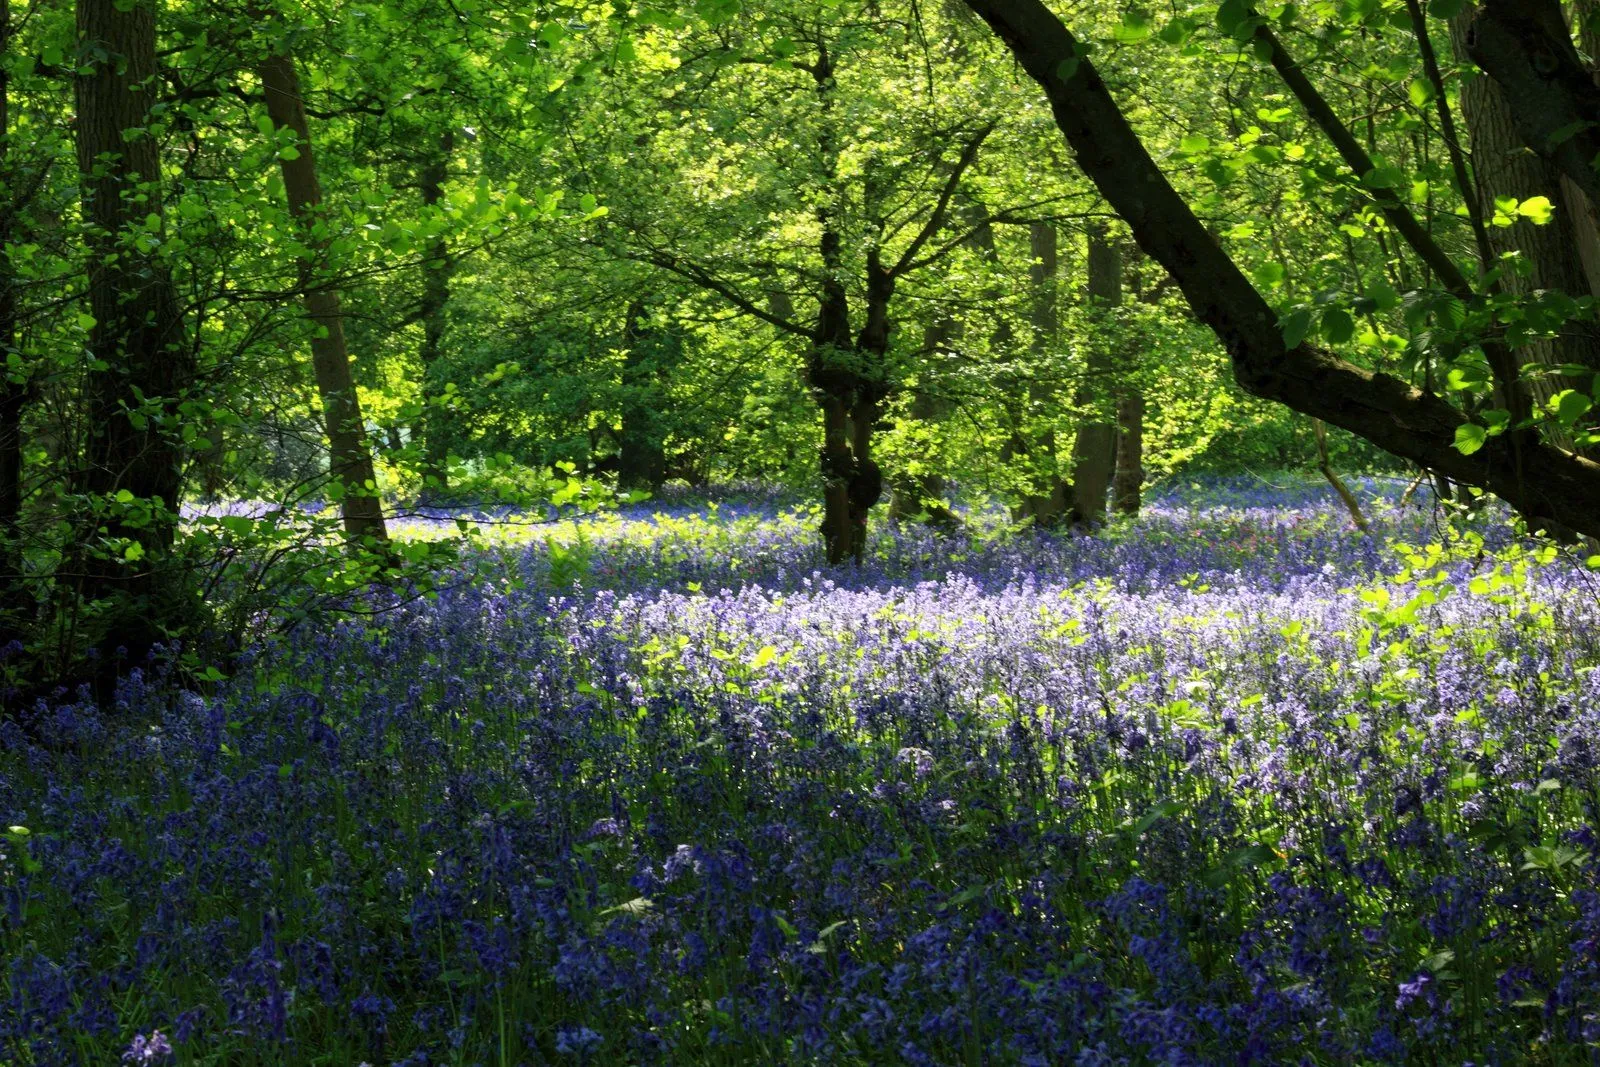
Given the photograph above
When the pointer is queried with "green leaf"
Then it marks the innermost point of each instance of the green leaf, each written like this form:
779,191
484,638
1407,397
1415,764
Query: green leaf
1537,209
1295,326
1445,9
1570,405
1135,27
1420,92
1177,31
1337,326
289,152
1470,437
1269,275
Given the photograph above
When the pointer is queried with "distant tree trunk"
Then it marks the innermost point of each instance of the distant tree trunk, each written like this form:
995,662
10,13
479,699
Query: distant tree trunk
137,340
1503,166
921,494
1097,435
350,456
1048,507
1127,495
14,606
641,451
437,267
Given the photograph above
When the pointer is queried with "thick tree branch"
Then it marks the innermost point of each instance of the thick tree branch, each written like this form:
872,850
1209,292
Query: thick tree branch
1551,483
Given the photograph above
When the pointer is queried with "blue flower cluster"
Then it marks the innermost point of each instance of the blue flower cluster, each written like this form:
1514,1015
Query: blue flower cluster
1231,786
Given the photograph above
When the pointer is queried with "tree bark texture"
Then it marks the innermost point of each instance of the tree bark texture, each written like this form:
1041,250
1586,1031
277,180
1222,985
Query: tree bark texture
1092,448
350,457
1526,47
1503,166
142,363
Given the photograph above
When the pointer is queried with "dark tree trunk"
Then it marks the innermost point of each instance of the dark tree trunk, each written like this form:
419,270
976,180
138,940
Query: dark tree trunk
15,608
641,445
1585,212
1502,166
143,365
1526,47
350,456
1537,478
437,267
840,369
1096,441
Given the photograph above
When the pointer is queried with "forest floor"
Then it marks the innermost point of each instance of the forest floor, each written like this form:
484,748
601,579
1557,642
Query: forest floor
1232,783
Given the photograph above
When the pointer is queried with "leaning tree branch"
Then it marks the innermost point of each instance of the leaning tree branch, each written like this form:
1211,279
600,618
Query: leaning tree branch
969,155
697,274
1552,484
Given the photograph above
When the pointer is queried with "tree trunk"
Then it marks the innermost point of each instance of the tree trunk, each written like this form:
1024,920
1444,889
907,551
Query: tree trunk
143,365
350,457
1127,494
1536,477
437,267
14,607
842,382
1097,435
1585,213
641,446
920,494
1526,47
1325,465
1502,166
834,381
1048,493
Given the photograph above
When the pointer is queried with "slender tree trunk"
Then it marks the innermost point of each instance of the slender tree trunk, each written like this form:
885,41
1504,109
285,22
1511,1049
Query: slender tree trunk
1325,465
1093,447
1049,493
143,366
921,493
1127,495
641,446
437,268
350,457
